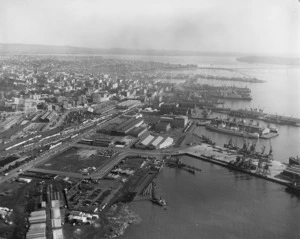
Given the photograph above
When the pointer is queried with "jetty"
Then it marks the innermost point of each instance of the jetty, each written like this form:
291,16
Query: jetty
224,157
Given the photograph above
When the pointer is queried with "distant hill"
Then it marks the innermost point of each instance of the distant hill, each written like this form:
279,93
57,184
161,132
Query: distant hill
270,60
46,49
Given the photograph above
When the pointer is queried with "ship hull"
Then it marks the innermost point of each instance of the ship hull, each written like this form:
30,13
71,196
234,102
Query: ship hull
231,132
293,189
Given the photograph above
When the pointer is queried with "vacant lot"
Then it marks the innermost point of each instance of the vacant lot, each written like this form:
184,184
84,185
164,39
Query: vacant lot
74,159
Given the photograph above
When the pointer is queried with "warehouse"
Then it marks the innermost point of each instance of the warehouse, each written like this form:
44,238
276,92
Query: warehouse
49,116
124,123
180,121
155,143
145,142
55,203
103,142
37,217
162,127
57,234
37,231
86,141
127,126
136,123
175,121
167,143
56,223
138,131
55,213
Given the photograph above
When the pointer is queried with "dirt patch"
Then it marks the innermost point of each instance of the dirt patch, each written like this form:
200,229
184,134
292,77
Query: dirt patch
74,159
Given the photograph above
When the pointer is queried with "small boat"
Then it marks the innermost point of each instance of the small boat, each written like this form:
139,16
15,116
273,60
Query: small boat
294,189
191,171
159,201
294,161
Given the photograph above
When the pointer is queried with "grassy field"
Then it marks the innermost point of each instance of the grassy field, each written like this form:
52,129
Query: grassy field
74,159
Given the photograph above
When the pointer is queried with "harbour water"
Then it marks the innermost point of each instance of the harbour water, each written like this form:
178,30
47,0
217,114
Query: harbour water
217,202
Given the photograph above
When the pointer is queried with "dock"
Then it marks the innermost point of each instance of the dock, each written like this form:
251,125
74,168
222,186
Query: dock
222,157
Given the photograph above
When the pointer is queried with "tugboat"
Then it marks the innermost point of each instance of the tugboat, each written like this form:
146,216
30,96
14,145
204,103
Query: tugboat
294,161
207,140
192,171
293,187
154,199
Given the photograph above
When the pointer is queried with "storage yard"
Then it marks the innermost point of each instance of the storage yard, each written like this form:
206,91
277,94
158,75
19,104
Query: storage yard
76,159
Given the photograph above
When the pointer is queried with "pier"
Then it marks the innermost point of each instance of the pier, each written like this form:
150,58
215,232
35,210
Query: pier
223,157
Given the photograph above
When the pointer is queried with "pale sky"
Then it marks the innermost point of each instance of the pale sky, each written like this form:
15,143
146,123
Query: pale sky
247,26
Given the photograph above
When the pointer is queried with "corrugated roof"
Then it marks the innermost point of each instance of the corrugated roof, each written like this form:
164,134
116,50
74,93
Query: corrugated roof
147,140
56,223
55,213
157,141
37,213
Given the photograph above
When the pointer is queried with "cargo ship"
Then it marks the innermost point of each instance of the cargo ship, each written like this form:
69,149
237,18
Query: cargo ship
231,130
240,128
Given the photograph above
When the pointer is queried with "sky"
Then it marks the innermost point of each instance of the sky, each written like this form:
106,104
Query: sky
241,26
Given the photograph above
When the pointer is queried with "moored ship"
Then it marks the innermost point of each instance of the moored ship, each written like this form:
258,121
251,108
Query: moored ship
232,131
257,113
294,161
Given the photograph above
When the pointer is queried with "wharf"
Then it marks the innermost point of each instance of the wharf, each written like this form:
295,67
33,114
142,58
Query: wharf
221,156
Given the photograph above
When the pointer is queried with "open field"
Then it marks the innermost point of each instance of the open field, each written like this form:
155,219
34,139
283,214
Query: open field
74,159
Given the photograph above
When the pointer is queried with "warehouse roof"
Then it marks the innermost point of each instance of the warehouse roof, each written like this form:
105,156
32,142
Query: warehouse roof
157,141
147,140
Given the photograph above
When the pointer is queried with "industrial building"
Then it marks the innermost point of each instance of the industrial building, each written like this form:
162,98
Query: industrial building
138,131
56,220
129,104
57,234
162,126
49,116
125,127
144,143
37,227
166,143
151,142
103,142
37,217
156,142
179,121
174,108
